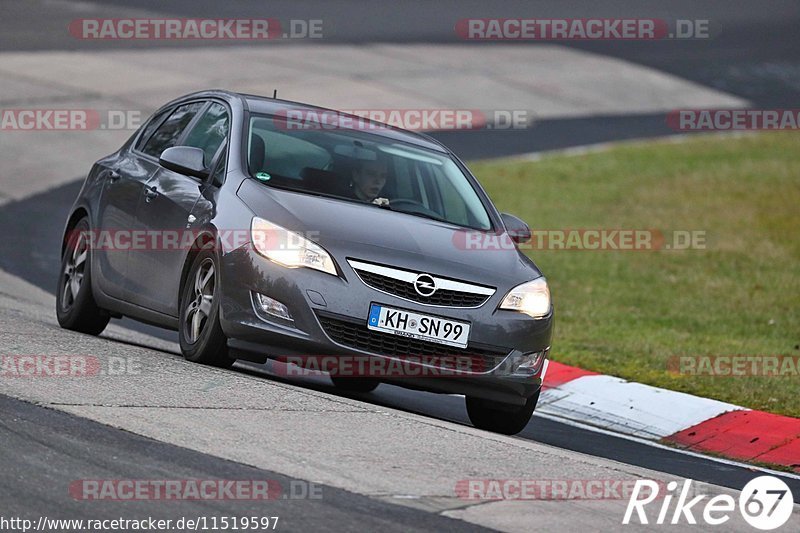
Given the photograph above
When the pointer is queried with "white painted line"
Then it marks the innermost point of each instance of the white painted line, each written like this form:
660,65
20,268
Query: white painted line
627,407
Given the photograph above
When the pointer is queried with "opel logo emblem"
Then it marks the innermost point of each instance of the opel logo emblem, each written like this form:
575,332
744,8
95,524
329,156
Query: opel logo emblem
424,285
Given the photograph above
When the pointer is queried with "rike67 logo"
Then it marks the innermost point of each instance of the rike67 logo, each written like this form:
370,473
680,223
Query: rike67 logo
766,503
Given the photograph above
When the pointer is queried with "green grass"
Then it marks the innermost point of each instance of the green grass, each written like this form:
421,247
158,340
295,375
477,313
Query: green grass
626,313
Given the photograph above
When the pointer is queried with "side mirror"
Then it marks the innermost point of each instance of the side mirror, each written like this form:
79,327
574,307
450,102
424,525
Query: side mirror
517,229
186,160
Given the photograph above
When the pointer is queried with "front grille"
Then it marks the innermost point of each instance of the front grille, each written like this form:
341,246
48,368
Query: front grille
404,289
356,335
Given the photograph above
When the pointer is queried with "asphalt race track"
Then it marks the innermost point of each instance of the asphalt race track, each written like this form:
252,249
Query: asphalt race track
53,446
385,460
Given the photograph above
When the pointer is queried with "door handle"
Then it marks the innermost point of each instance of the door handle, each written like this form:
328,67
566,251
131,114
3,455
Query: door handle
150,193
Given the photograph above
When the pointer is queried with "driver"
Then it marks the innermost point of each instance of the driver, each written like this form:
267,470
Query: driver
369,178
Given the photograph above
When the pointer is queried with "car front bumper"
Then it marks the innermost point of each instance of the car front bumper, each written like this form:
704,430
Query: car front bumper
329,317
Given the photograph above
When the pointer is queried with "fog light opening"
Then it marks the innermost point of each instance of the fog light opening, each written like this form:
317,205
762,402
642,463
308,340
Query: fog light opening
531,362
271,306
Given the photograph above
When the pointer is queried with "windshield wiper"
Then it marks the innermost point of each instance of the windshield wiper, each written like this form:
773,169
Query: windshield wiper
415,213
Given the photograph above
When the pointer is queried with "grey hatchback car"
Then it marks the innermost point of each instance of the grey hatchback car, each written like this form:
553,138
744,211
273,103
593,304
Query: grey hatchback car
264,229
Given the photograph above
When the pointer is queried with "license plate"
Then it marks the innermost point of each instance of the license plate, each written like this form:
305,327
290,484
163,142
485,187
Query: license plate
418,326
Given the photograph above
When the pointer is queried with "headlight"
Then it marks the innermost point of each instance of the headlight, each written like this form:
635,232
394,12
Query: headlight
531,298
287,248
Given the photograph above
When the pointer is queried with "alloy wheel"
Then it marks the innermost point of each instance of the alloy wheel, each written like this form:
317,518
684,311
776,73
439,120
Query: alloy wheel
198,309
74,271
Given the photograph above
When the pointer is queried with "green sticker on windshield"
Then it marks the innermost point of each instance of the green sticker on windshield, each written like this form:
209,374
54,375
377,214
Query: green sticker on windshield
263,176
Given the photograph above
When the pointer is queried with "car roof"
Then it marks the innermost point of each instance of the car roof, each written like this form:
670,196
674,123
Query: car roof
274,106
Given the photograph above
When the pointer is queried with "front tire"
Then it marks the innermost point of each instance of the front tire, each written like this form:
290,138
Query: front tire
201,337
499,417
76,308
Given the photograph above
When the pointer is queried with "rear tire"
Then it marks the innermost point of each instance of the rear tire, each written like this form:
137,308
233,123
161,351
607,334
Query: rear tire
355,384
200,334
76,308
501,417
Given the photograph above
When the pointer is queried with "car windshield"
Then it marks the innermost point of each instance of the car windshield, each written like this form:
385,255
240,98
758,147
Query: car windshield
362,167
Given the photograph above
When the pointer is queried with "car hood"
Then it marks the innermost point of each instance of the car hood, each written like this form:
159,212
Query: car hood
357,231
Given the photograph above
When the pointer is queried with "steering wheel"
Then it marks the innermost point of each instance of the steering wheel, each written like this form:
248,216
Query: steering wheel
415,207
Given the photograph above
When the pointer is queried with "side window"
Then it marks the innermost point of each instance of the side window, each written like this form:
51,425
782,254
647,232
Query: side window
168,133
151,127
210,131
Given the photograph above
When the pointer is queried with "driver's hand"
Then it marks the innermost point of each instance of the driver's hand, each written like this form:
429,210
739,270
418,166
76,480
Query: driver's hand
382,202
